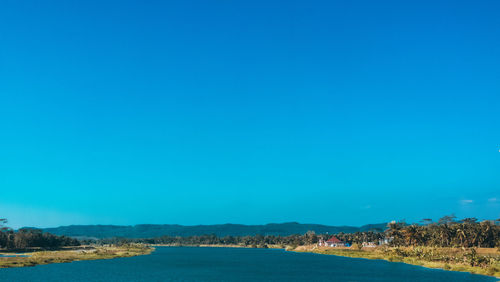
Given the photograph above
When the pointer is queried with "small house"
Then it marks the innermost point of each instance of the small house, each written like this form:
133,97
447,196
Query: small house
332,242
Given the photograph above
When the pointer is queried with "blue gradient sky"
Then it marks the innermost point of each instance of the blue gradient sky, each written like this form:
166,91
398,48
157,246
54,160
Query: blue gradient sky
201,112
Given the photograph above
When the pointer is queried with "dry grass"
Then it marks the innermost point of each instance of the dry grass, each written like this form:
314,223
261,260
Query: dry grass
46,257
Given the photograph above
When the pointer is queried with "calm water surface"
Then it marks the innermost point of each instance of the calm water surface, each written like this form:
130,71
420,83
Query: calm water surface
230,264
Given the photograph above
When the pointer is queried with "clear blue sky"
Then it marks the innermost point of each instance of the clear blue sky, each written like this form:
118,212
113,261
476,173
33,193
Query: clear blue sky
201,112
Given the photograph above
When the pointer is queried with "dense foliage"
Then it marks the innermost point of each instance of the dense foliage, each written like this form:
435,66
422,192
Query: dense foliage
256,241
447,232
31,238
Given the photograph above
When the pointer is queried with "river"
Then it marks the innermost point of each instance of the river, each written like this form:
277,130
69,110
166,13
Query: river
232,264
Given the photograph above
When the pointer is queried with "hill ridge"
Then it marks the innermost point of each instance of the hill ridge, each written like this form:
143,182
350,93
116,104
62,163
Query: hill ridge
226,229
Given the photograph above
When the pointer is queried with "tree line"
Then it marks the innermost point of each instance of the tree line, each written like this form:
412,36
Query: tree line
212,239
28,238
446,232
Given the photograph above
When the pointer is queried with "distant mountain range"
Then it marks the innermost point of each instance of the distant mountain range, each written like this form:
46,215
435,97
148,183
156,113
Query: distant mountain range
157,230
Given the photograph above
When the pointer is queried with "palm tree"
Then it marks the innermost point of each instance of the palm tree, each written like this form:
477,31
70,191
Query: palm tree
411,234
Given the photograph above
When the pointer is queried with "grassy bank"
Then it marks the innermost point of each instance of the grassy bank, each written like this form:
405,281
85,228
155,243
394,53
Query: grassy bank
61,256
485,261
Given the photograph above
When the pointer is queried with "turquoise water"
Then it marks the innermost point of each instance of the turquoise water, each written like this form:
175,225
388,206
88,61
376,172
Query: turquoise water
232,264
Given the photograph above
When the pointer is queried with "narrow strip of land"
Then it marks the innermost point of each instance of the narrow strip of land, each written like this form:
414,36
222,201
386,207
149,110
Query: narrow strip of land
75,254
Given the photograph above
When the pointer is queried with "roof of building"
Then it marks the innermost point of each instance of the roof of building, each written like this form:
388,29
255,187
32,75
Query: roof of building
334,240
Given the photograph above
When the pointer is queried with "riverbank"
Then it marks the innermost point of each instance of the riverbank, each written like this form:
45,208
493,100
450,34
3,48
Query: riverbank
484,261
69,255
200,245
